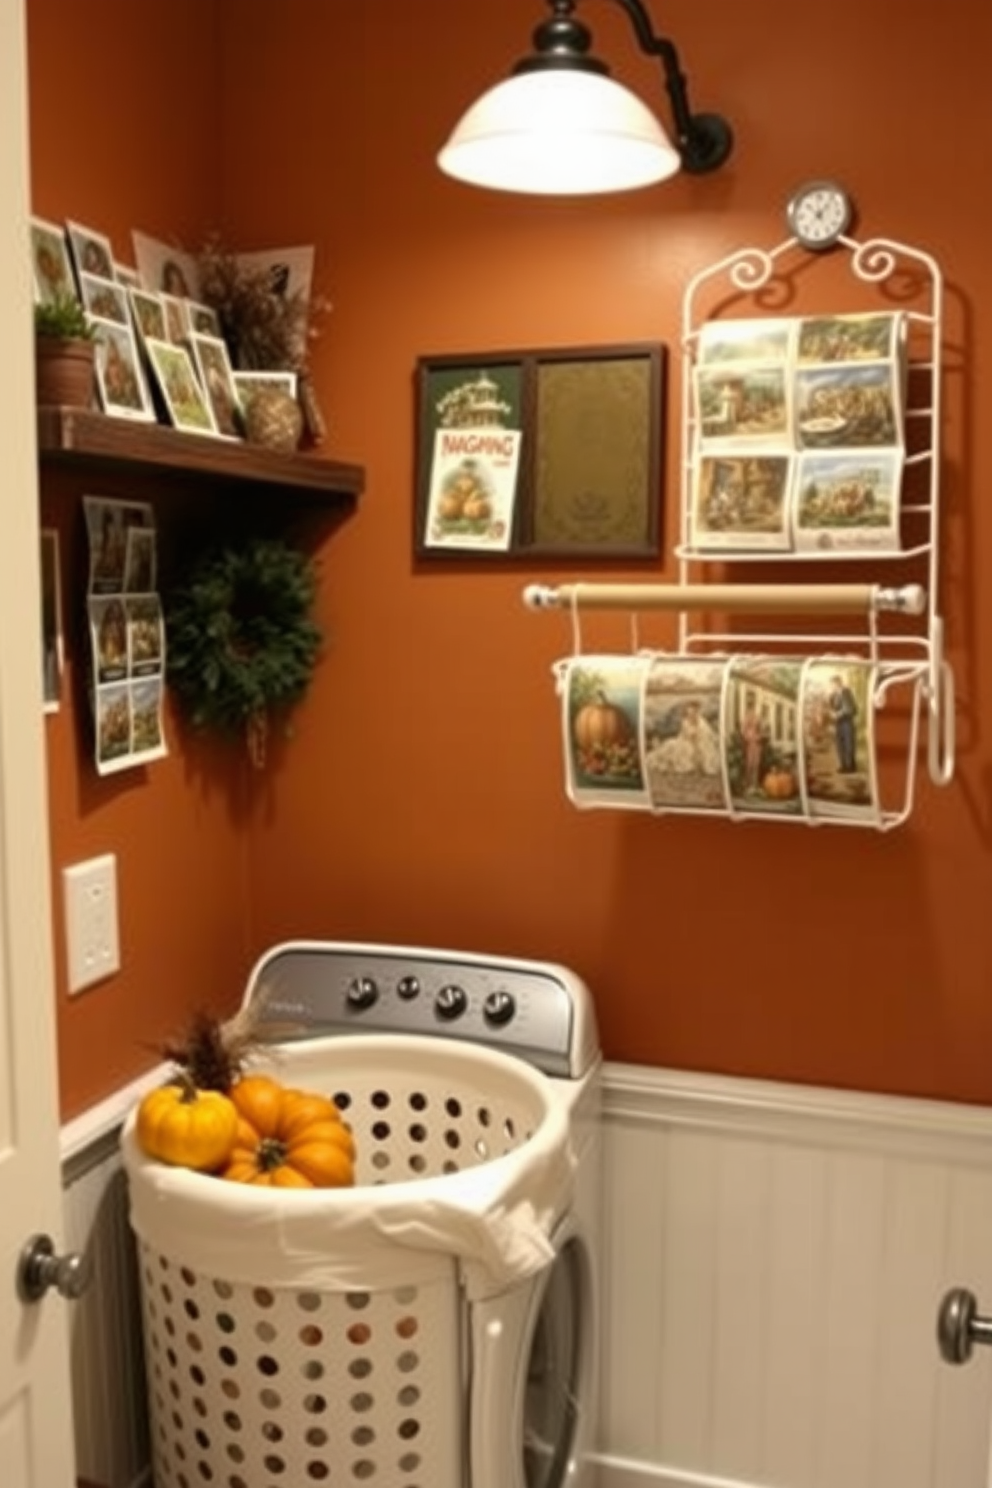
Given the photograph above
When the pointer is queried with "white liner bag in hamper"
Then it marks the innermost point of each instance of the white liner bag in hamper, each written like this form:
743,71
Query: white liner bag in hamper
462,1152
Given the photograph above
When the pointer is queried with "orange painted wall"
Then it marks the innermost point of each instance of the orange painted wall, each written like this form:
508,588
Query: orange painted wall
424,802
421,798
124,111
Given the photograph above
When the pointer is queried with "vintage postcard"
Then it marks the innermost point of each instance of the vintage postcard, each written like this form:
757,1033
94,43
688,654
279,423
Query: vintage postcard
745,341
166,268
121,383
108,626
140,560
148,314
177,322
104,297
184,398
847,405
214,366
760,734
145,635
746,402
147,737
683,755
51,620
51,263
91,251
850,338
473,488
109,524
848,502
113,727
742,501
602,704
203,319
838,737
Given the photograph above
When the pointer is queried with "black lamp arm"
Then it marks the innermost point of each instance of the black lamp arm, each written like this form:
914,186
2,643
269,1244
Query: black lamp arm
705,140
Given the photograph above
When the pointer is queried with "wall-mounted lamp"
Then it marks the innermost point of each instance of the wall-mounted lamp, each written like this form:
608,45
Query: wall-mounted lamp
561,126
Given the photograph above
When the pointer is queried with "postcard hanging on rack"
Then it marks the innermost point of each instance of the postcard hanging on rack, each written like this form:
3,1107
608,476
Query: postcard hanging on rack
848,501
683,759
127,634
838,736
767,394
743,501
760,732
602,706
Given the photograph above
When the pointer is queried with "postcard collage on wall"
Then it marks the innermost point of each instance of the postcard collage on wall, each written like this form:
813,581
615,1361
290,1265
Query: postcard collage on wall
782,735
126,632
799,435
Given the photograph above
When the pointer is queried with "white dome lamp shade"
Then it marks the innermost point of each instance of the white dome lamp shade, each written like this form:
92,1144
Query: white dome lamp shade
560,126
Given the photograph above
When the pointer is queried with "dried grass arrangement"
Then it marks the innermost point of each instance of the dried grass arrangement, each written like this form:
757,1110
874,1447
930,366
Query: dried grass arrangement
265,331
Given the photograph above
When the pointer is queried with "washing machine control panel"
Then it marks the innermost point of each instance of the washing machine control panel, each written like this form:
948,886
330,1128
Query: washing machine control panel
535,1010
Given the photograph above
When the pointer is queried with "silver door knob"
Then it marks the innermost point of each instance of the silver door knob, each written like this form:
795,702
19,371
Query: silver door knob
39,1269
959,1326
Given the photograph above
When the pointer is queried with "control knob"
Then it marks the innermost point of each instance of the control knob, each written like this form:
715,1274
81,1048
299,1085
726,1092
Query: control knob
499,1008
362,993
450,1002
407,987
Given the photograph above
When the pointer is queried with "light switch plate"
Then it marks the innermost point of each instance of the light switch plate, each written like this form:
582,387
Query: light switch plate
91,933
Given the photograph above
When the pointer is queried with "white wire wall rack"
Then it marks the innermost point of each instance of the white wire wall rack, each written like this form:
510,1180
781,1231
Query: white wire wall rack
894,627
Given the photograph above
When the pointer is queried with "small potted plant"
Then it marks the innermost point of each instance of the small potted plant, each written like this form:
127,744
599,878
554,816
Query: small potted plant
64,353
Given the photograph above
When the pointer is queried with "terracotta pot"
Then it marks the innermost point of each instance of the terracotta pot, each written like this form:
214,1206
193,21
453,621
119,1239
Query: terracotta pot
64,372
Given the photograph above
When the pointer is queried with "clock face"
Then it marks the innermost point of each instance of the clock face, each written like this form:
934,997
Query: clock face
819,213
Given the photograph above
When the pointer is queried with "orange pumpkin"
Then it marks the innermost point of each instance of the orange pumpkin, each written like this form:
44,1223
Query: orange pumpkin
779,784
288,1138
600,722
187,1127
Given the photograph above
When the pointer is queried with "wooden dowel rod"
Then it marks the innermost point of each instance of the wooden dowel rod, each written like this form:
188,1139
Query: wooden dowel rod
763,599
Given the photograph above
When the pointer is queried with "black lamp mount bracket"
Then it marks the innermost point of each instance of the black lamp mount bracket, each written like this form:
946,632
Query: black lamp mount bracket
704,140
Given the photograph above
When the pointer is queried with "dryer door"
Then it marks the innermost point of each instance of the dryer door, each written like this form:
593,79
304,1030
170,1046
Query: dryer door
532,1354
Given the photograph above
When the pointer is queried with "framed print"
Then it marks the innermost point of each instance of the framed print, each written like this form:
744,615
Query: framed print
119,378
91,251
105,298
148,313
214,367
552,452
184,398
165,268
176,312
51,264
203,318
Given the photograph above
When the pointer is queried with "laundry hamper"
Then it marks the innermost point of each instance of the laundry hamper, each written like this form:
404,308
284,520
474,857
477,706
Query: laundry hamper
299,1337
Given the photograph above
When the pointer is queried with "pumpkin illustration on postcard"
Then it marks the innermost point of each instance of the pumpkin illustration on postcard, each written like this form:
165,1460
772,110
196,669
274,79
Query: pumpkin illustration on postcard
602,708
761,734
838,731
683,760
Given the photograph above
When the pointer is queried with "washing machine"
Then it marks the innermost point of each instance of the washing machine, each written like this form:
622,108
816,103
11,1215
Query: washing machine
529,1369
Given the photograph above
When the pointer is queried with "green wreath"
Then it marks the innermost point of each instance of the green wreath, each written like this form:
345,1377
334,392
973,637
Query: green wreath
241,641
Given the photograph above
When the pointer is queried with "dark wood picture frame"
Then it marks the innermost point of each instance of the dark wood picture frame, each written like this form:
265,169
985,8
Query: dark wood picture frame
588,461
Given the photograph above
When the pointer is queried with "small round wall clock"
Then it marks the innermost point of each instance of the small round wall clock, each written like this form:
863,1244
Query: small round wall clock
819,213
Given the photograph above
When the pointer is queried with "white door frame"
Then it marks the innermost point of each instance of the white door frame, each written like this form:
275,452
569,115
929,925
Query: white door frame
35,1397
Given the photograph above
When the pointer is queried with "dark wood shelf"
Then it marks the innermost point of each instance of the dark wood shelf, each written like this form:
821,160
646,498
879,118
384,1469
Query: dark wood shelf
86,439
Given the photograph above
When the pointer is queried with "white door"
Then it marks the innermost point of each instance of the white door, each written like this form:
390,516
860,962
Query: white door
35,1403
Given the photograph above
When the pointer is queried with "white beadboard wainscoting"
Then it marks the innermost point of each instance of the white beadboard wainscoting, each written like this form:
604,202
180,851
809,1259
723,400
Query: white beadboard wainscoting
774,1258
773,1261
106,1352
